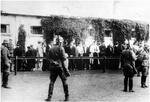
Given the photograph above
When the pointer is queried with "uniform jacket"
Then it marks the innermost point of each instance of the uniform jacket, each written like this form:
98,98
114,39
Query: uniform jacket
5,58
56,56
145,63
128,62
5,54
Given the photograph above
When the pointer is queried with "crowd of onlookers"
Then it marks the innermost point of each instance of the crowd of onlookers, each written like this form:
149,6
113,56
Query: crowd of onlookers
109,55
131,58
30,64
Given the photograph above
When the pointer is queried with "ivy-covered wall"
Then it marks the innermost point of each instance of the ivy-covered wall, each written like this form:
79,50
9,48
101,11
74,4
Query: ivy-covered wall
73,28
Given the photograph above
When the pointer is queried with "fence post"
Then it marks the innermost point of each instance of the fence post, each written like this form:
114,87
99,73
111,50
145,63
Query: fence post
105,62
16,62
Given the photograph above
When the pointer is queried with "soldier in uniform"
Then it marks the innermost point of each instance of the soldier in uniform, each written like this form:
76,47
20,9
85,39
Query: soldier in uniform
128,64
57,57
5,64
144,67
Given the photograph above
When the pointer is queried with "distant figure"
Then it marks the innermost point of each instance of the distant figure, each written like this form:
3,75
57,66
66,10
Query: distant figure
5,63
11,47
72,53
102,53
11,50
29,61
94,52
18,53
40,53
80,52
34,53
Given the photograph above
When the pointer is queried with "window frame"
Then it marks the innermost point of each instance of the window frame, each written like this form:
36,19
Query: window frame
32,28
7,29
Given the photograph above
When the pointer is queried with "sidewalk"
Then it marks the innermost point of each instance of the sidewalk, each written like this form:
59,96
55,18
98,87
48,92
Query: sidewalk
92,85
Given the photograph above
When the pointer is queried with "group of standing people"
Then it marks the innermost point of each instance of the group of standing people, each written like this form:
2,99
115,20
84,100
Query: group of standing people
132,62
94,50
31,52
58,63
29,64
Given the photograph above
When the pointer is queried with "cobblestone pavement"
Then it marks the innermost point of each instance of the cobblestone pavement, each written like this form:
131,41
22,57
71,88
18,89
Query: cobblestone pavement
88,86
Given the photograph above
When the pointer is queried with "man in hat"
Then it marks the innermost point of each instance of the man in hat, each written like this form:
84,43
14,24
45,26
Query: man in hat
57,57
5,63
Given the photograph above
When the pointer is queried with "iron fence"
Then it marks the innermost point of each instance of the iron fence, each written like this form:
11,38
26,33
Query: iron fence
81,58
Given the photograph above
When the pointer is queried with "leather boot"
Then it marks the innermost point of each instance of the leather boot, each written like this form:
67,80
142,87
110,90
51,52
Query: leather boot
48,99
66,98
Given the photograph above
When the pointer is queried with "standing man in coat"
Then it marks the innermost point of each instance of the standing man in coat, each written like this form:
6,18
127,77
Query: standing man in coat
56,56
128,64
5,63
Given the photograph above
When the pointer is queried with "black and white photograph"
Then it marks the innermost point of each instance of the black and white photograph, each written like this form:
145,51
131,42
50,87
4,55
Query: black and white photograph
75,50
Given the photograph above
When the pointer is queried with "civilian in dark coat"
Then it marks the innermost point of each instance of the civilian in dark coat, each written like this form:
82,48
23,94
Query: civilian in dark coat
109,54
29,61
33,54
86,62
72,53
18,52
102,55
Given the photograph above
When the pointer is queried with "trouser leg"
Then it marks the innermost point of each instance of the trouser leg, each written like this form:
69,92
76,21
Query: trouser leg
5,78
53,78
125,83
65,86
64,82
130,83
50,91
143,80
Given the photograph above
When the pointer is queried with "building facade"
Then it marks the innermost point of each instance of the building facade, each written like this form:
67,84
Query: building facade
10,24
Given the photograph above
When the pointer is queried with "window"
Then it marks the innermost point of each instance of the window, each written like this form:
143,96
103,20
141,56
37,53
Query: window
4,28
36,29
108,33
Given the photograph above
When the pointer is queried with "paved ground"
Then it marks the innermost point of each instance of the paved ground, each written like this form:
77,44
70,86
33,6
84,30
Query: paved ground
88,86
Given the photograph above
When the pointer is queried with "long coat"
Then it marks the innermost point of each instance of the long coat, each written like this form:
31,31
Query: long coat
128,62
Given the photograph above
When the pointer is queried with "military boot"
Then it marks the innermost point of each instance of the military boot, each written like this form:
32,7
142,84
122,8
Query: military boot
66,98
